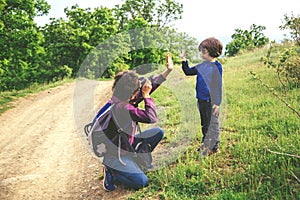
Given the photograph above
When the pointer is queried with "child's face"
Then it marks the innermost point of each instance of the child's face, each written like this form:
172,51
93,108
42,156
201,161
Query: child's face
205,55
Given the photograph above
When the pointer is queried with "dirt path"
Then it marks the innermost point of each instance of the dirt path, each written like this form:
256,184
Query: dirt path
42,155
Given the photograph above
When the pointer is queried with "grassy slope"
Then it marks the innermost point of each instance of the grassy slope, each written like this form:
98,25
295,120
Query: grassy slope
255,122
252,121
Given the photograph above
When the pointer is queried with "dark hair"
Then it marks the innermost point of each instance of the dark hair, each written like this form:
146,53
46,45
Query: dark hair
212,45
125,84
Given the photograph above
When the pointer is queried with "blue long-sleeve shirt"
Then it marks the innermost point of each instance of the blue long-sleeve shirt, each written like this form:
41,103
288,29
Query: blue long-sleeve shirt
209,80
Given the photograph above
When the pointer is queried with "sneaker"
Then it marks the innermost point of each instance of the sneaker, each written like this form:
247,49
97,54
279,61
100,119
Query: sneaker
214,151
108,180
203,150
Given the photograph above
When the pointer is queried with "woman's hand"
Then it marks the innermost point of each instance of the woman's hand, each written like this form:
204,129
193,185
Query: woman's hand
169,64
146,89
169,61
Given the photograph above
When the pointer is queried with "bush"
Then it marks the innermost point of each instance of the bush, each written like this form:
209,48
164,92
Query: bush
287,65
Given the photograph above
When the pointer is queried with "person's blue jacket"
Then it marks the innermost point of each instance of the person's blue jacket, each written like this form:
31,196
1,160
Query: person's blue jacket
209,80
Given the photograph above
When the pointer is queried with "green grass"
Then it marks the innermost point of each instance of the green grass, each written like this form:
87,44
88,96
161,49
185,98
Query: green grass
255,123
7,98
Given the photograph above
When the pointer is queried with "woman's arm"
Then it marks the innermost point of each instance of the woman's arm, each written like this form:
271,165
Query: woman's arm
169,64
148,115
158,80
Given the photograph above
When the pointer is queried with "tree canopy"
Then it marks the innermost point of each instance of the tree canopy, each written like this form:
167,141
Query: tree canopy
130,35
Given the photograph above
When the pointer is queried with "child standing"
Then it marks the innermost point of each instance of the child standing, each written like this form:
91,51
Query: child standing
208,92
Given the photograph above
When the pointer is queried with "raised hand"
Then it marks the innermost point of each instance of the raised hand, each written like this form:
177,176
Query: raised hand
169,61
183,55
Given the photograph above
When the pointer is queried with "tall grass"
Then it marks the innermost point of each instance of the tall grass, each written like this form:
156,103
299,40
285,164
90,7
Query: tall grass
256,125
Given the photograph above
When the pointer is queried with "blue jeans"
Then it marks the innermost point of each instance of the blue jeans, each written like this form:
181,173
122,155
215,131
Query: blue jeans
130,175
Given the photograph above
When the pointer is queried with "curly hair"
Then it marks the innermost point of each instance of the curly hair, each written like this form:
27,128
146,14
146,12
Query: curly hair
212,45
125,84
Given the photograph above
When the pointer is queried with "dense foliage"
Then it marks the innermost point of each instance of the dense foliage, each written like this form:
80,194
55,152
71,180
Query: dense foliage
32,54
21,52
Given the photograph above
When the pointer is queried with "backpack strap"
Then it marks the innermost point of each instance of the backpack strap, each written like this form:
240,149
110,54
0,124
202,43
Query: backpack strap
87,128
140,131
121,135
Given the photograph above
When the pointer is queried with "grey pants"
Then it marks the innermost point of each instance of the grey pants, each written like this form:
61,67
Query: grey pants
212,138
210,125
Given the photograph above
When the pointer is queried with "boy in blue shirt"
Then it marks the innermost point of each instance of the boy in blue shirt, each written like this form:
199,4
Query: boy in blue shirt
208,92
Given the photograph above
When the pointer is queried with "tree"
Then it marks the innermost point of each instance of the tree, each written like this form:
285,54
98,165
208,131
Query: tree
286,64
287,68
68,42
92,43
146,14
293,24
155,13
246,40
21,53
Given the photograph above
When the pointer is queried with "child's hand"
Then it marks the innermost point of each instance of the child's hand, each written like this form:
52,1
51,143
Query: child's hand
182,55
169,61
215,110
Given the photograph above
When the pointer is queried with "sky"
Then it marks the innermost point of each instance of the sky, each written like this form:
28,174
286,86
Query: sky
203,19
